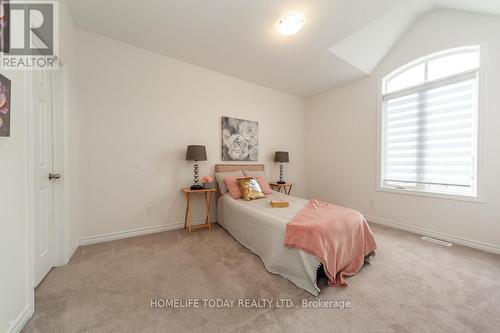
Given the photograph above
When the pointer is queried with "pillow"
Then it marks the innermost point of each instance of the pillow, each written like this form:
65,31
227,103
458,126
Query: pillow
252,173
261,177
233,187
266,188
250,189
220,179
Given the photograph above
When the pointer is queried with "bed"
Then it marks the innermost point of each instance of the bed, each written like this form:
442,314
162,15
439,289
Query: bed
261,229
294,242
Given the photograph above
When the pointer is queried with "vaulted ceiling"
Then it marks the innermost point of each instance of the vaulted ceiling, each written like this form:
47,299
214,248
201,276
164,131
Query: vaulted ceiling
239,37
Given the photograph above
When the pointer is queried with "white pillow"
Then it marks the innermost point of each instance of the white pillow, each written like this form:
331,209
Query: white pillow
251,173
220,179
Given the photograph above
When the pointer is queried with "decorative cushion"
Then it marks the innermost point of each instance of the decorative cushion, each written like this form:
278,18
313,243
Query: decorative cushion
261,177
266,188
254,173
233,187
250,189
220,179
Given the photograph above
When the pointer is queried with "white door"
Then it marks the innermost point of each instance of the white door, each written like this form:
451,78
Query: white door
43,218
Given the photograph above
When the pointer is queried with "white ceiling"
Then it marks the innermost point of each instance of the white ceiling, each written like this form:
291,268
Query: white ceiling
367,47
239,37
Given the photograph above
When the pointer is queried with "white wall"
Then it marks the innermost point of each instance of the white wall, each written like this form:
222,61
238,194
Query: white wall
15,297
137,113
69,142
345,120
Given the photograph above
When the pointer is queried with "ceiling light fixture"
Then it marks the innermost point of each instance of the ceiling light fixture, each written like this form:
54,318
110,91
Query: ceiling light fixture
291,23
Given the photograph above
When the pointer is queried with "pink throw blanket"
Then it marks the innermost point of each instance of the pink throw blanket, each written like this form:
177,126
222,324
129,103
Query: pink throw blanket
339,237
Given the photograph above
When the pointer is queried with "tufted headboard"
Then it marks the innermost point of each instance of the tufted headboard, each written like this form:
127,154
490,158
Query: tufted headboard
235,167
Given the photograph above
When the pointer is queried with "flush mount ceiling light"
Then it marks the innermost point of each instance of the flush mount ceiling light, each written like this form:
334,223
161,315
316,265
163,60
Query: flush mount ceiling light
290,23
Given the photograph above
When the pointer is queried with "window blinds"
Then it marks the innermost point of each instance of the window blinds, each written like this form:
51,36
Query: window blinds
429,133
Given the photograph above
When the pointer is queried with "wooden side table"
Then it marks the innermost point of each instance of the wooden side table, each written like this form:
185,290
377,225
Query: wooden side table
208,199
287,187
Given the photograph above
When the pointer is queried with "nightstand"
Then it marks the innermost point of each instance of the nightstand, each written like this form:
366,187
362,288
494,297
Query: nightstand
287,187
207,192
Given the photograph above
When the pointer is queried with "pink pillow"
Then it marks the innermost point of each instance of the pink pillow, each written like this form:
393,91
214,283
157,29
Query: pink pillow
232,187
264,185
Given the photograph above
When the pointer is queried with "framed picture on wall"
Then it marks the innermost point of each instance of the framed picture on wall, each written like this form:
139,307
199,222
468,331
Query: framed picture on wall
4,26
5,106
240,139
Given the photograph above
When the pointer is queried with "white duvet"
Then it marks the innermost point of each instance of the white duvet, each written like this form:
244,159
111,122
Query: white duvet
261,228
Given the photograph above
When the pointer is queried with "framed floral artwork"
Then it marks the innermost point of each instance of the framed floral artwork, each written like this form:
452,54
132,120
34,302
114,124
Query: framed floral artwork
4,26
5,107
240,139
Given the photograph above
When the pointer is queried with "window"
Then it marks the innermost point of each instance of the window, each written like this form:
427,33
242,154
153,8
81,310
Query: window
429,134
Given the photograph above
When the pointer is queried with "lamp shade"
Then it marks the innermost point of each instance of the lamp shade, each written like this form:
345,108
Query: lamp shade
196,153
281,156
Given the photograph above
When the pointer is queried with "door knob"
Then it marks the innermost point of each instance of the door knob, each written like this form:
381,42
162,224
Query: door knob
54,176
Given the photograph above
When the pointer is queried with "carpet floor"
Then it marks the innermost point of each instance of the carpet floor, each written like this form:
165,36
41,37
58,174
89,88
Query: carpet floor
410,286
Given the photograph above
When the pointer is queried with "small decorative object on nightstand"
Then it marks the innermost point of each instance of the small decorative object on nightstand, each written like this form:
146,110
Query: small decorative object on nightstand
207,181
281,157
196,153
287,187
208,199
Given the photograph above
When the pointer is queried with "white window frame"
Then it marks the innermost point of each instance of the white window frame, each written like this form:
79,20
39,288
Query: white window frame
478,195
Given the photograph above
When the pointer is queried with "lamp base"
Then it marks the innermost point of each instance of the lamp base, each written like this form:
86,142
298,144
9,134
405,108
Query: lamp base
196,187
280,182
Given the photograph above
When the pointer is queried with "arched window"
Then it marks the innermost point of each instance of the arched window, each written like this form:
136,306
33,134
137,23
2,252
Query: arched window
429,124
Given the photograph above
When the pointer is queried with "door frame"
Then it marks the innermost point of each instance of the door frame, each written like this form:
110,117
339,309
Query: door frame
60,137
60,107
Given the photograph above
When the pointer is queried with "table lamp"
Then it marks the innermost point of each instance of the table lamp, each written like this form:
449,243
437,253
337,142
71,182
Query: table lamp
281,157
196,153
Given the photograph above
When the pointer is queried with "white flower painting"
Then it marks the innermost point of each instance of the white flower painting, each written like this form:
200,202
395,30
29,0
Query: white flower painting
240,139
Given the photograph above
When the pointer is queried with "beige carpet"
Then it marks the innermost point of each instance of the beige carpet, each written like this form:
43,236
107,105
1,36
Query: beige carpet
411,286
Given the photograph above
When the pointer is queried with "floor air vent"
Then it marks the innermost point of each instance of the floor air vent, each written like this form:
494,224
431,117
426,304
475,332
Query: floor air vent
436,241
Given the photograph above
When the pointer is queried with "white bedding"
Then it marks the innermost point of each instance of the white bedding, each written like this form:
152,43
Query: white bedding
261,228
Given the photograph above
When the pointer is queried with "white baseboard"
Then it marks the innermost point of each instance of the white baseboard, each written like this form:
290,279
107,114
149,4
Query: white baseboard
439,235
136,232
72,251
21,320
